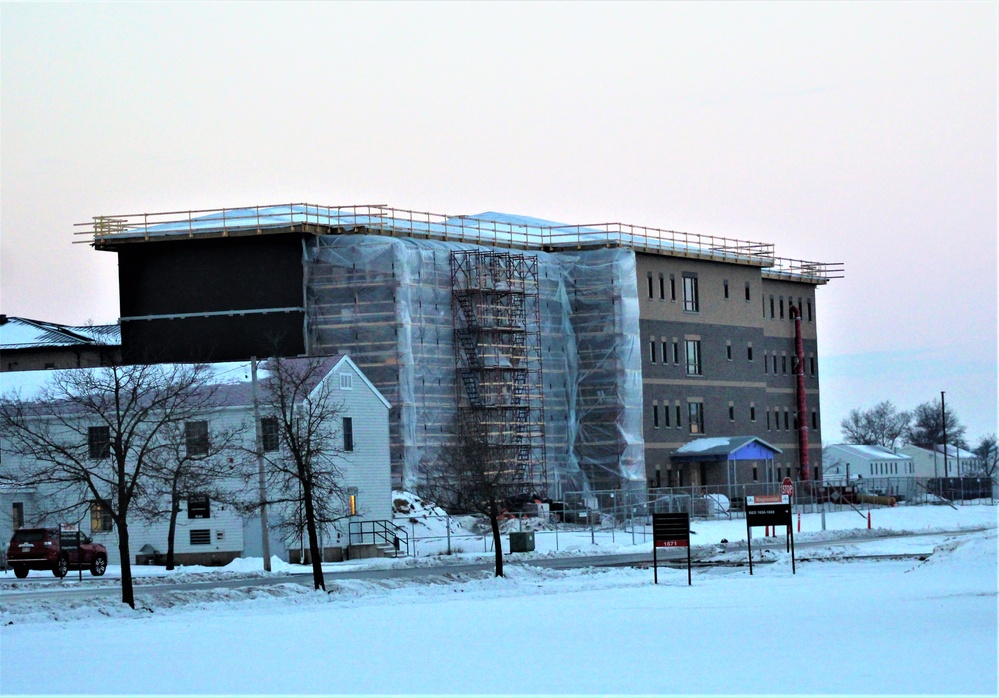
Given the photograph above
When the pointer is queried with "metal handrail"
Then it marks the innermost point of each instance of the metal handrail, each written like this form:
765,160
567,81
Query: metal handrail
393,221
386,532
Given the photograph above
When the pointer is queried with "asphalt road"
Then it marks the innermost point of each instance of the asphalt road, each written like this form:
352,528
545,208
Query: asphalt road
92,587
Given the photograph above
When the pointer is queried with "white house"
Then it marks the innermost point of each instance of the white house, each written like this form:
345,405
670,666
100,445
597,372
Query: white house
210,532
851,462
931,462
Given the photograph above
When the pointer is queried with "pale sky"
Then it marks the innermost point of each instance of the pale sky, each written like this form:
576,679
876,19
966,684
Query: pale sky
862,133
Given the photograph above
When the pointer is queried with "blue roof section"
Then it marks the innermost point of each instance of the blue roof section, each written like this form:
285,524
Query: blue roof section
725,448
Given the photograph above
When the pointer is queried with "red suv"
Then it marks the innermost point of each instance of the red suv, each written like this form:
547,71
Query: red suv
48,549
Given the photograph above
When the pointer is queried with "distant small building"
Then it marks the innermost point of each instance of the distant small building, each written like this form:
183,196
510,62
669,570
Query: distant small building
931,462
850,462
33,345
724,460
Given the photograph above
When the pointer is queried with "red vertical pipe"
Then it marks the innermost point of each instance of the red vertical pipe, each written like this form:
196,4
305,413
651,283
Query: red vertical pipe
804,472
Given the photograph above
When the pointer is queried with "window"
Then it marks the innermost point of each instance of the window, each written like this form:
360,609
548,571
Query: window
678,424
747,291
17,515
728,350
725,286
749,351
652,350
815,419
755,478
201,536
776,419
198,507
695,414
731,412
752,412
775,363
346,381
100,518
782,307
664,351
693,348
655,415
787,420
662,288
269,434
650,286
99,442
691,303
811,362
809,309
766,364
672,287
196,438
676,352
348,434
771,307
783,362
665,414
768,419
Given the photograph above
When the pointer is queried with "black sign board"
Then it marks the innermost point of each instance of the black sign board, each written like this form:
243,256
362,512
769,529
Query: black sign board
670,531
769,510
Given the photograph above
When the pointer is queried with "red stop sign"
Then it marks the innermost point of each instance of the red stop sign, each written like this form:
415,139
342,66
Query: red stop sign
787,487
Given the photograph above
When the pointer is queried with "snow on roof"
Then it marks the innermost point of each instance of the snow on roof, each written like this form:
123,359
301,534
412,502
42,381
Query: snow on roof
720,446
870,452
956,452
25,333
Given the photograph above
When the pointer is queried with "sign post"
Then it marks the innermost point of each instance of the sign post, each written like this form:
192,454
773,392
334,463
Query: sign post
769,510
670,531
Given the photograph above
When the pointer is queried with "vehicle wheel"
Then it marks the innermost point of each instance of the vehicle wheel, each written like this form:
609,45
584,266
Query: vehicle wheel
99,566
61,567
20,571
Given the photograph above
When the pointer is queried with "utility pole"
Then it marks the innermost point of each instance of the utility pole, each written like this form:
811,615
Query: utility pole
943,419
264,537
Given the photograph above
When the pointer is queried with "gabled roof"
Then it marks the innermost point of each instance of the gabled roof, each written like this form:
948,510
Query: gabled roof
952,451
868,452
725,448
25,333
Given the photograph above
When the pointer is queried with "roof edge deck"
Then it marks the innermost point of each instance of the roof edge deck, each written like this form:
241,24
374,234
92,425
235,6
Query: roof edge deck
499,230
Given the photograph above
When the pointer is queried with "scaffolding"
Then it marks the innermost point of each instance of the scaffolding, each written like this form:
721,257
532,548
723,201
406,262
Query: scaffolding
496,315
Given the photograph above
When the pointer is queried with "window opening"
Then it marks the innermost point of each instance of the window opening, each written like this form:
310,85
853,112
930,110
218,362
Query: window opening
691,302
348,434
693,347
695,413
196,438
99,442
269,435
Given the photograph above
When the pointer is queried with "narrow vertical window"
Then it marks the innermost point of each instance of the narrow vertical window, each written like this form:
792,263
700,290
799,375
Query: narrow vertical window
783,363
787,420
665,352
815,419
650,286
768,419
678,425
728,350
17,515
776,419
655,415
672,287
348,434
747,292
652,350
775,363
781,300
752,412
731,412
695,414
99,442
771,307
749,351
662,288
269,436
676,351
766,364
725,285
666,415
196,438
693,347
809,309
691,300
811,362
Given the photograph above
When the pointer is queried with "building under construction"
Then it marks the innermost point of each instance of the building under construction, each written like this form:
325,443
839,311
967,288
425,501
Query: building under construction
587,353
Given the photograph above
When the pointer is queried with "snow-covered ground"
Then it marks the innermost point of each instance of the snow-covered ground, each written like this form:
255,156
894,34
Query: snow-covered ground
837,626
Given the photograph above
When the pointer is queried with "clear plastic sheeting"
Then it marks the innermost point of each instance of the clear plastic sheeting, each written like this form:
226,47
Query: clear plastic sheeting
386,302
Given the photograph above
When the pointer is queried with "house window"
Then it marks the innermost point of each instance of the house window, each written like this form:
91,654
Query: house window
17,515
695,414
725,285
269,434
100,518
693,347
672,287
691,302
652,350
348,434
198,507
747,291
99,442
728,350
662,288
201,536
346,381
655,415
196,438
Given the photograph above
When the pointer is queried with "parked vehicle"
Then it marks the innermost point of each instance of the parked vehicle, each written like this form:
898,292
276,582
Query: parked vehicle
48,549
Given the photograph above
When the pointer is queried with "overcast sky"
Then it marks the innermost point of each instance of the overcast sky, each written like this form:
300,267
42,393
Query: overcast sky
862,133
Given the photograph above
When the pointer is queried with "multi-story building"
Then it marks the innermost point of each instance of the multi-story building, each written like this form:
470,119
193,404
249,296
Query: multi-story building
593,352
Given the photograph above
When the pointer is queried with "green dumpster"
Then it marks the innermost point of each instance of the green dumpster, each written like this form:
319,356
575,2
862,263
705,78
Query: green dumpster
522,542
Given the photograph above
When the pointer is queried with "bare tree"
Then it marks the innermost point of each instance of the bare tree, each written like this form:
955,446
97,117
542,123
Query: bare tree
882,425
927,429
90,435
303,474
195,461
467,477
987,451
